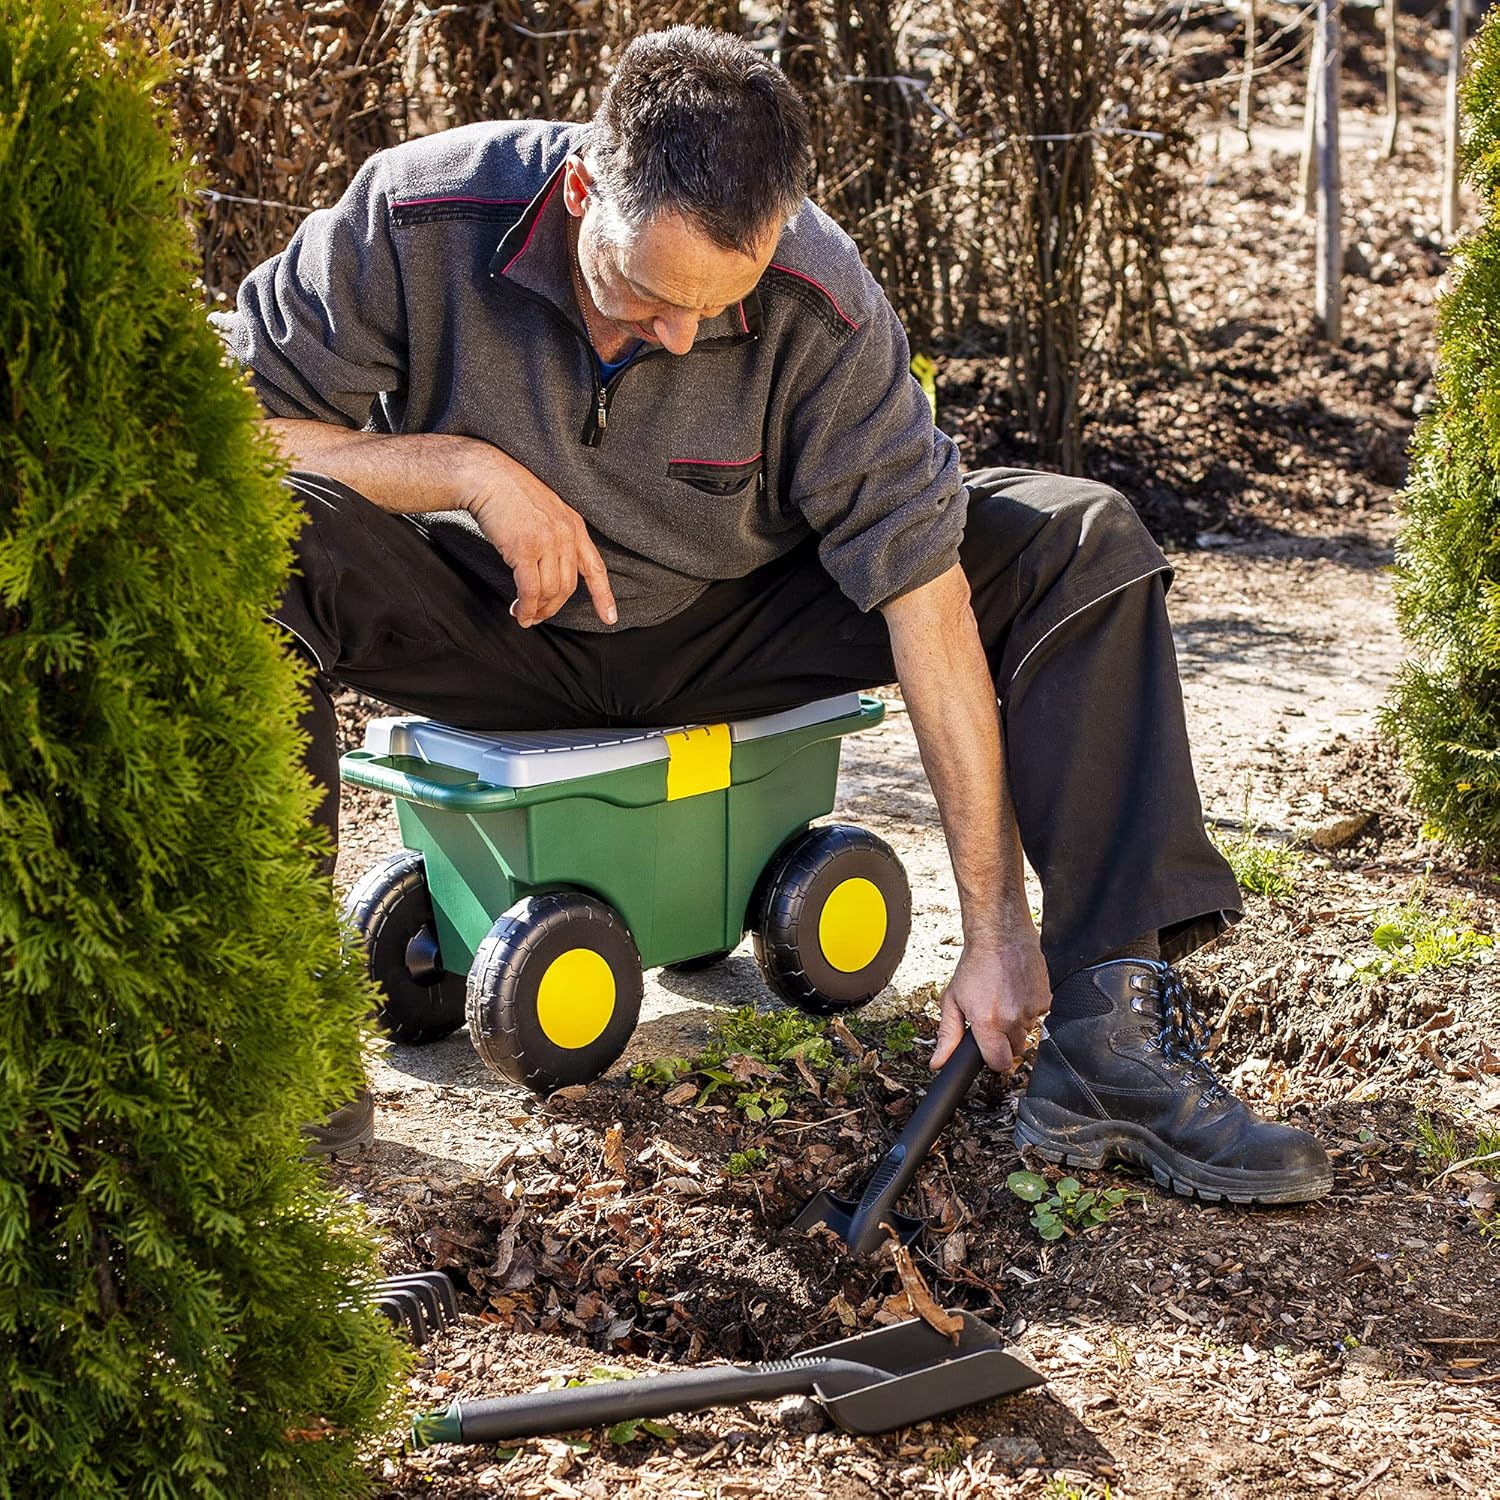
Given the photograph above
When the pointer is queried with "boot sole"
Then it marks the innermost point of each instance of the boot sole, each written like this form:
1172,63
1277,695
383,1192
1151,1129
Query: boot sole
1058,1135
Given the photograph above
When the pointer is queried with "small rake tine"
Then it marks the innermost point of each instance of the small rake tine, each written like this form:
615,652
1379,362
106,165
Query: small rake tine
421,1302
439,1302
404,1308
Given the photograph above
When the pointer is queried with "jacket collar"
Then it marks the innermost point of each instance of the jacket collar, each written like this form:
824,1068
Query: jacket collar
533,254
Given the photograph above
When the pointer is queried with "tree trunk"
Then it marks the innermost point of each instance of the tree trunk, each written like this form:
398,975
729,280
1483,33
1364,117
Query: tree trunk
1392,81
1330,250
1308,179
1248,76
1450,148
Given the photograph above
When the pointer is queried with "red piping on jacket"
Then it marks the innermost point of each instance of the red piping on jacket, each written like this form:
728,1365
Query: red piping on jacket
811,281
532,231
455,198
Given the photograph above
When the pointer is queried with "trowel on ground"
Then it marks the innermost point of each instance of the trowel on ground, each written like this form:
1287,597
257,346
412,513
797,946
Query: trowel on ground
873,1382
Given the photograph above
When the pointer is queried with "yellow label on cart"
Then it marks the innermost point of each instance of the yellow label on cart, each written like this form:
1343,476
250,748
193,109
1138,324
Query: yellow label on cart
851,926
699,761
576,998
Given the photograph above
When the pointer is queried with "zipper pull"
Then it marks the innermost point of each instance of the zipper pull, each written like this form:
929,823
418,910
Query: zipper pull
603,411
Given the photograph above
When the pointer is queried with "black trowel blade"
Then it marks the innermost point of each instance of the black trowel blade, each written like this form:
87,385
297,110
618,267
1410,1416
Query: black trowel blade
837,1215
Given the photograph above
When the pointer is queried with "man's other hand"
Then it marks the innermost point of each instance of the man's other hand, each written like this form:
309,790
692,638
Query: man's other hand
543,541
999,991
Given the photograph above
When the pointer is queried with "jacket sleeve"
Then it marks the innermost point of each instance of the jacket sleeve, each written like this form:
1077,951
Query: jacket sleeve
870,473
321,326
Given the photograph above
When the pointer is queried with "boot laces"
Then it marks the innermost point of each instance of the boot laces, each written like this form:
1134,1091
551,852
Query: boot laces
1183,1033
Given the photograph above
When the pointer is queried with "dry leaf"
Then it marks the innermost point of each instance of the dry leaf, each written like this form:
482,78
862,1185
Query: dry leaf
663,1150
442,1244
807,1076
747,1068
606,1189
614,1148
851,1043
950,1325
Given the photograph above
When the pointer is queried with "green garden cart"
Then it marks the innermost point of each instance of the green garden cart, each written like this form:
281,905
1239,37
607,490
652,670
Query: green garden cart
544,871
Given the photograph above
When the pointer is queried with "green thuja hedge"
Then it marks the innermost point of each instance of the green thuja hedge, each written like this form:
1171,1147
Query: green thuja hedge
180,1308
1445,713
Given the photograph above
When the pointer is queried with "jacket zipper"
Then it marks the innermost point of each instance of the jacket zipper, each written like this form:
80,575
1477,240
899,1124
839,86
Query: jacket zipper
598,417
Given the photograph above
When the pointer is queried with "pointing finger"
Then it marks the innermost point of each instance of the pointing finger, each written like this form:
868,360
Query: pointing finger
591,565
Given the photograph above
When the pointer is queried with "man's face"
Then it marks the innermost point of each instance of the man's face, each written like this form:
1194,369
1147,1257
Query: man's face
665,276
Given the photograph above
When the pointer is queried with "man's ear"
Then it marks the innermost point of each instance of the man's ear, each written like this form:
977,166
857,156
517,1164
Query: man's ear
577,183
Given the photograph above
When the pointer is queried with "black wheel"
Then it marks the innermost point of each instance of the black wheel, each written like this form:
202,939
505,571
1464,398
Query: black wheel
703,961
391,911
831,920
554,991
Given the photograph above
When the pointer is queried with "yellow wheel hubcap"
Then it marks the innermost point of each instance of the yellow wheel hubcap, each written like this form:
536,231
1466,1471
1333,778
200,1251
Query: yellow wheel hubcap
576,998
851,927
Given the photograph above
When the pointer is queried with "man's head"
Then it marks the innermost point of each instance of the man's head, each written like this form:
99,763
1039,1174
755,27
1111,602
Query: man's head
697,159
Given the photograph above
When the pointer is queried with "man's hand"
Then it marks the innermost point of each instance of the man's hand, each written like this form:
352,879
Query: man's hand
544,542
999,992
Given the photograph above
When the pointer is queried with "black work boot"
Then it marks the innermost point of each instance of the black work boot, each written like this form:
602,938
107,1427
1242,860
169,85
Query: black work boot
1120,1073
347,1131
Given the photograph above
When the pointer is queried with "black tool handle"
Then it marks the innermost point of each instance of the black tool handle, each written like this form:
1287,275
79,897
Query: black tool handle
899,1165
544,1412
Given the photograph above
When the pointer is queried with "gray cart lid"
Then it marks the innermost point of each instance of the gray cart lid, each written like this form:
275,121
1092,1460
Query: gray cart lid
541,757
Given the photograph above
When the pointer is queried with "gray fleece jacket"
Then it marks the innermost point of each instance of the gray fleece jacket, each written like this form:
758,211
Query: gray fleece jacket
435,296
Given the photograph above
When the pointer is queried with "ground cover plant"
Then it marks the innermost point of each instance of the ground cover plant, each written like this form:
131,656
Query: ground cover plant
181,1307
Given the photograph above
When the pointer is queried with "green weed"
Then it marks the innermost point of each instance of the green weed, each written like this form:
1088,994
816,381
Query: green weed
1058,1488
900,1037
1266,869
661,1072
1066,1207
747,1056
894,1038
759,1105
1412,938
946,1458
632,1427
750,1160
843,1078
774,1036
1436,1144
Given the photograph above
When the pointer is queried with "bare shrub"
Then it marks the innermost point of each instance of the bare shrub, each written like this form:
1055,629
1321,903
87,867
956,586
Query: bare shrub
882,140
1006,169
1084,120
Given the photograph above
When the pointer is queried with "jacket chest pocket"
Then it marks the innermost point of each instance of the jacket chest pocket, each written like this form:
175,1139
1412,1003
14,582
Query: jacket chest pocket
719,476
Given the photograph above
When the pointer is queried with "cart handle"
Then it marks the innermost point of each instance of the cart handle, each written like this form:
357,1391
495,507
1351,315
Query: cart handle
361,768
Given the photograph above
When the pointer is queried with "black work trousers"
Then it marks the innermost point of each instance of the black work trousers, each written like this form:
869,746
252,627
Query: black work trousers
1067,586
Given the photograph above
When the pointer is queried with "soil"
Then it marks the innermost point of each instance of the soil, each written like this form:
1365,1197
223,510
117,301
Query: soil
1348,1347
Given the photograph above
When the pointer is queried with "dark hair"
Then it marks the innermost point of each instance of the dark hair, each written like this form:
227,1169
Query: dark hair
698,123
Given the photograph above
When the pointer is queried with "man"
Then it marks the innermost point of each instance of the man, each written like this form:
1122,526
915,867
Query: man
608,425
